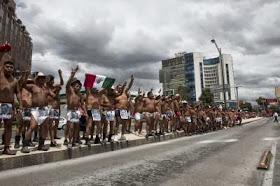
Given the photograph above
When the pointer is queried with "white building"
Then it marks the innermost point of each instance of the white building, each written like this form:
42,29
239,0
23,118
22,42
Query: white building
197,72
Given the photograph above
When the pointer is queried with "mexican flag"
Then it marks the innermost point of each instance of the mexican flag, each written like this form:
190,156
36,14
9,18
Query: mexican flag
98,81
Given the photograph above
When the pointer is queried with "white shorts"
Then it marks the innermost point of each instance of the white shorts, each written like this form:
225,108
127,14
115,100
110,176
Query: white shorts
26,114
74,116
40,114
218,119
188,119
54,114
151,114
6,111
138,116
96,116
110,115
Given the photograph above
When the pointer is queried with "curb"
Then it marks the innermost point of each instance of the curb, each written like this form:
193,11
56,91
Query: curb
13,162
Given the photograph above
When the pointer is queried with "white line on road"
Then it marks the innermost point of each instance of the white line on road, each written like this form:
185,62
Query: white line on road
218,141
270,139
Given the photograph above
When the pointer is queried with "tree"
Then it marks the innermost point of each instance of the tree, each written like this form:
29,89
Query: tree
274,108
207,97
185,92
261,102
246,106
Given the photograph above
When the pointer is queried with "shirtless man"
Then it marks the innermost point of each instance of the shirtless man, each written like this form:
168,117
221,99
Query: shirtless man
93,106
55,107
176,124
121,112
8,88
164,115
138,110
157,125
186,117
75,102
108,115
24,118
149,109
39,111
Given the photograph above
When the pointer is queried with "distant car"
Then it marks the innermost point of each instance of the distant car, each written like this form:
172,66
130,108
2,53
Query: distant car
62,123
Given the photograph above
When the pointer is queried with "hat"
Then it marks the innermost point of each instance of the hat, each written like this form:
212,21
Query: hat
177,95
75,80
184,102
40,74
30,79
113,87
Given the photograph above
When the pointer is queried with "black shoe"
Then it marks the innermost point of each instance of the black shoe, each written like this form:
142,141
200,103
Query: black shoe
87,142
147,136
17,140
42,145
57,137
53,144
110,137
25,147
97,140
35,139
30,144
65,142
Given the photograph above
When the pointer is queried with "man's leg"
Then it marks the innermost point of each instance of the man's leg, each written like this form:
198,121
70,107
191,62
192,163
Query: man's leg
88,130
148,124
33,125
7,137
66,133
18,132
52,131
56,128
98,131
75,133
43,133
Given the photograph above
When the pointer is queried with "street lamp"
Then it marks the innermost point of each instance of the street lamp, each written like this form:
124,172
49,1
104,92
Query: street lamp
237,101
222,68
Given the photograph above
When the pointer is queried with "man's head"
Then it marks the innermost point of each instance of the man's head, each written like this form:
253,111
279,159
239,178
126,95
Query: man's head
40,78
9,68
76,85
150,95
51,80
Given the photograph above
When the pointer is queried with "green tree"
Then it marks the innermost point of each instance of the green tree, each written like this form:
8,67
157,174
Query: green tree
207,97
274,108
246,106
261,102
185,92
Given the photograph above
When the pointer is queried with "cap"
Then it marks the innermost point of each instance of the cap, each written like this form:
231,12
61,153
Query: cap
184,102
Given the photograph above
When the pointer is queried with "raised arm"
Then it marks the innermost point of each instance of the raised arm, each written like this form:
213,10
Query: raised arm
130,84
60,77
74,70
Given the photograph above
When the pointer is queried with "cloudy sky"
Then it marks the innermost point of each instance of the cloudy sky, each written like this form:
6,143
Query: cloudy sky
122,37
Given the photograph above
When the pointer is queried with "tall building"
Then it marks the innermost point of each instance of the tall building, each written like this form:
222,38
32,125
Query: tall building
13,31
197,72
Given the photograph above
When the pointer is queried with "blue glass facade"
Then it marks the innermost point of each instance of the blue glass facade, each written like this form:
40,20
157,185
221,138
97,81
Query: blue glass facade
212,61
189,73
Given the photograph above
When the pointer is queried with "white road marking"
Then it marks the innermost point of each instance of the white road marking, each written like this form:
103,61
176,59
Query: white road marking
218,141
268,176
270,139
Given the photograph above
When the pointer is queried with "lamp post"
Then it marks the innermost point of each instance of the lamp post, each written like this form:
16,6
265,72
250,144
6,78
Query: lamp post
222,68
237,101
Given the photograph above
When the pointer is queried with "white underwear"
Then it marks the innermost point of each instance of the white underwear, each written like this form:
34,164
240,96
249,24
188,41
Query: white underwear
6,111
96,116
110,115
26,114
74,116
54,114
40,114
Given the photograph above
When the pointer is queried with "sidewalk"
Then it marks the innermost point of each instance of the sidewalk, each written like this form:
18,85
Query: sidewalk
63,153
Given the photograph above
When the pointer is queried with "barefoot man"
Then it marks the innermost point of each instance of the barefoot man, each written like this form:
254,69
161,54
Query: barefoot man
149,109
9,87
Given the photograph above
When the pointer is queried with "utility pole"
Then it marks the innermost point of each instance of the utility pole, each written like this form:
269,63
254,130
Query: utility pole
222,69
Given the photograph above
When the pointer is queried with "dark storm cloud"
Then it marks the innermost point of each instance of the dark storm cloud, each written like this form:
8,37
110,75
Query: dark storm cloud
120,38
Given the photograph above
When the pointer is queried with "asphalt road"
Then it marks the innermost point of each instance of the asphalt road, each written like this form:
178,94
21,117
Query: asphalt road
227,157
